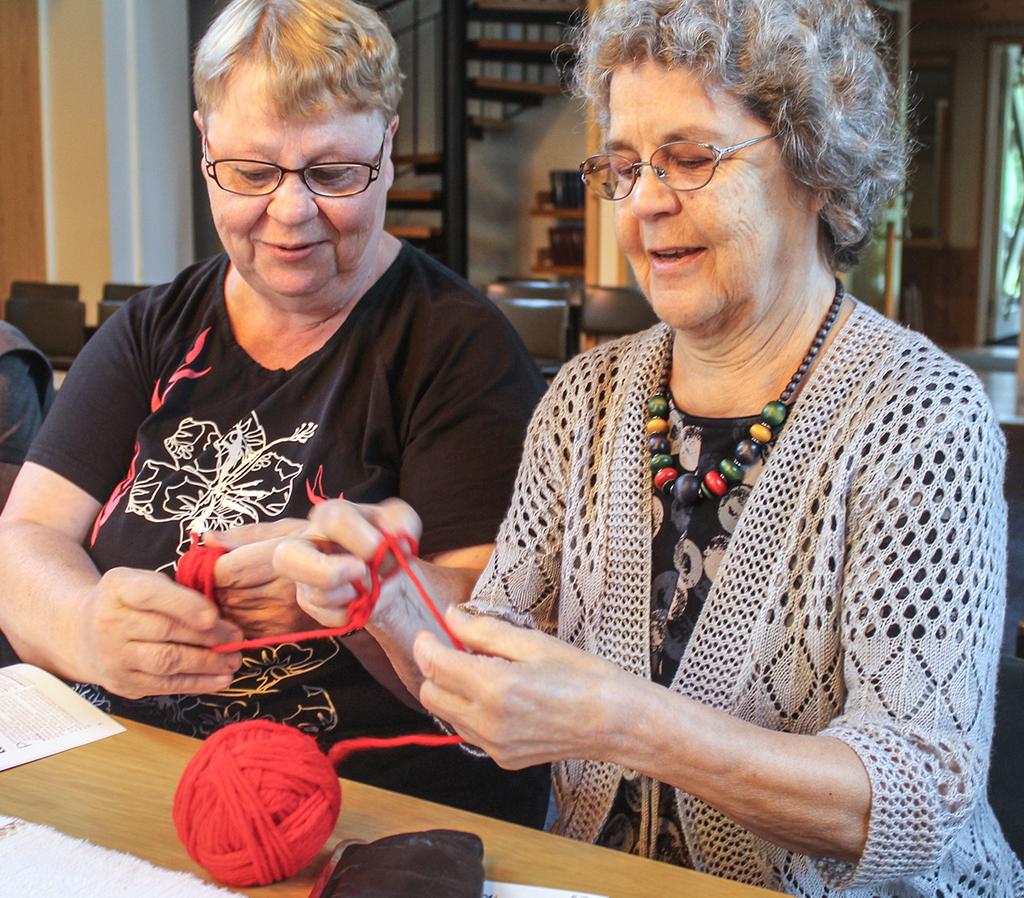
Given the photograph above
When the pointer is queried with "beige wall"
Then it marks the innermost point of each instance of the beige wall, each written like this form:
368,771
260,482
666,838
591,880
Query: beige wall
74,143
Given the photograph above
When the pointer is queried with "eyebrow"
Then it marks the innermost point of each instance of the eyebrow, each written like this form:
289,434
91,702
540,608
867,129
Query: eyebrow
697,135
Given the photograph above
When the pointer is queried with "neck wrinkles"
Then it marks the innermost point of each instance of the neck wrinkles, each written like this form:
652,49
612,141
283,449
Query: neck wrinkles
734,368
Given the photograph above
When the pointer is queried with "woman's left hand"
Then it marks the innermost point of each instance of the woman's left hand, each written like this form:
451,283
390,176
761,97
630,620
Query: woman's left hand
248,590
524,697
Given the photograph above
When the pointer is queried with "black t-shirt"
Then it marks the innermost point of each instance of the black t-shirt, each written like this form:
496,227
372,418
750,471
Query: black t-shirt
424,392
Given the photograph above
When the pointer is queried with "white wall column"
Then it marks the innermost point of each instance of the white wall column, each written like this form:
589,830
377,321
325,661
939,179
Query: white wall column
148,117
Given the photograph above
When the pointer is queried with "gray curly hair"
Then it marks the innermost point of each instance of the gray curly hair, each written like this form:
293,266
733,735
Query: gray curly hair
812,70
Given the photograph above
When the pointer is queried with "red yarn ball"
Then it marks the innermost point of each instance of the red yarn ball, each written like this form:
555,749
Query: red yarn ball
256,803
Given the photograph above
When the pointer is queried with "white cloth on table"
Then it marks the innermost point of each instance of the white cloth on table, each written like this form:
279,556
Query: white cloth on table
38,861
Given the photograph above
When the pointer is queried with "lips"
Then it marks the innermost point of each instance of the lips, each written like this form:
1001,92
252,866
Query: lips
293,247
674,253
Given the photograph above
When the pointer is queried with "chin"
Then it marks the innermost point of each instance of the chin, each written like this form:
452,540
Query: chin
690,310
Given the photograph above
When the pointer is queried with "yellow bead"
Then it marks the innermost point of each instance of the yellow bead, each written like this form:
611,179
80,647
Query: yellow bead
761,432
657,425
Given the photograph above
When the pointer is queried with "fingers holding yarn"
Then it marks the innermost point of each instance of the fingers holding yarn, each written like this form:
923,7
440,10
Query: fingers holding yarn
142,634
325,583
360,529
247,534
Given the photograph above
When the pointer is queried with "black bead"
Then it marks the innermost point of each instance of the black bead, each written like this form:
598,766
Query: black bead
748,452
686,489
658,445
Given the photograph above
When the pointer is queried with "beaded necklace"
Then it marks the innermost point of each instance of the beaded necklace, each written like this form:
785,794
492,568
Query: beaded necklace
688,487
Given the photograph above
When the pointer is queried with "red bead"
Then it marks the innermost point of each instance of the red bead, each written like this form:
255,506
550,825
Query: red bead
715,482
664,476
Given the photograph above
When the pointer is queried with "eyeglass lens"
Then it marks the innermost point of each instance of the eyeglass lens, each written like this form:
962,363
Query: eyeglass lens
681,165
257,178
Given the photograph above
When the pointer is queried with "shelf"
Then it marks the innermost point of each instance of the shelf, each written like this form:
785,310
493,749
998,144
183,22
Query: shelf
573,271
552,212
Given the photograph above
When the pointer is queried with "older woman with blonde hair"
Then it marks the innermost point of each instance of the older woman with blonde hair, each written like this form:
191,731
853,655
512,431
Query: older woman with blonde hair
756,554
317,356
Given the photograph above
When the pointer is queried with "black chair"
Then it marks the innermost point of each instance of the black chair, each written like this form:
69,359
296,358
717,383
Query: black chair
56,326
614,312
541,323
107,307
43,290
121,292
514,288
1006,775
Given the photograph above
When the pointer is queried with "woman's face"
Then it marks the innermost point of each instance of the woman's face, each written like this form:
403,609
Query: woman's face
292,244
704,256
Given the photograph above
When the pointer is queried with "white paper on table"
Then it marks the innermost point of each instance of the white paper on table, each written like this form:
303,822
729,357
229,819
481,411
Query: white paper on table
511,890
41,716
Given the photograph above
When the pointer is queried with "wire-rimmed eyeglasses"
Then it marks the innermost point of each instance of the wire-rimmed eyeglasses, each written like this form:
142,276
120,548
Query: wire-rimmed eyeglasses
254,177
680,164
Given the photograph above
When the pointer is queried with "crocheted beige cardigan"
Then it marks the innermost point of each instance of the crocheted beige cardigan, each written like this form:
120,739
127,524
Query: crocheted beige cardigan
861,597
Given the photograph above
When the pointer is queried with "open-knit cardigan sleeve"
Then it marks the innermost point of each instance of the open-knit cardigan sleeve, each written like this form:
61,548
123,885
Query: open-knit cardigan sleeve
861,597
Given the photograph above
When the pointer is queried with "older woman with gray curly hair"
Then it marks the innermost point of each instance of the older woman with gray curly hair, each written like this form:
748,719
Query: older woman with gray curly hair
756,553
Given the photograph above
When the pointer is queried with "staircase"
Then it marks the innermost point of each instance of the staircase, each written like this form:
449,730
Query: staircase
471,68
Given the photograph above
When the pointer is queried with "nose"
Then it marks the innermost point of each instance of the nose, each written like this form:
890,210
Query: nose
293,202
650,196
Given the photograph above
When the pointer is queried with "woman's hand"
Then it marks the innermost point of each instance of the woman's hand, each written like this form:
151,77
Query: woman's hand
525,697
330,559
143,634
248,589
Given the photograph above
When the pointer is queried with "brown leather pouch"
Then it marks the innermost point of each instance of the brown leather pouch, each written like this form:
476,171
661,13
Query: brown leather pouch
441,863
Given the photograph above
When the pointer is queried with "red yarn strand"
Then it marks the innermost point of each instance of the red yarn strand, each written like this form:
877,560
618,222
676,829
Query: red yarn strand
196,571
341,750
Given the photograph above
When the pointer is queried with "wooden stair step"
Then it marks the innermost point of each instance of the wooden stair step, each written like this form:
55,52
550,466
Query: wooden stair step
425,198
532,11
480,124
527,93
492,49
423,163
414,232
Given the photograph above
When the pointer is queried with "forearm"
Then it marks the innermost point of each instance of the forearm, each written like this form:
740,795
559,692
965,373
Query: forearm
809,794
43,576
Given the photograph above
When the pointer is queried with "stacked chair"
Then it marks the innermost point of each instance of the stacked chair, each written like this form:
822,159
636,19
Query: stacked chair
51,316
540,313
115,296
610,312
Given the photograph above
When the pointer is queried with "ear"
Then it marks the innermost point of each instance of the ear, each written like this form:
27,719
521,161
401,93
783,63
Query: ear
389,166
197,119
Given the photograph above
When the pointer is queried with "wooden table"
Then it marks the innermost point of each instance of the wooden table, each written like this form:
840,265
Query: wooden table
117,793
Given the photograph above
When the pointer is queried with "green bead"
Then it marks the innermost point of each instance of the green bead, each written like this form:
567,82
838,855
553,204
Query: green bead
705,492
730,470
774,413
657,407
660,461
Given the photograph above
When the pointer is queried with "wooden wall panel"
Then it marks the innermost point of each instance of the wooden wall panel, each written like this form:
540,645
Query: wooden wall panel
948,280
967,12
22,231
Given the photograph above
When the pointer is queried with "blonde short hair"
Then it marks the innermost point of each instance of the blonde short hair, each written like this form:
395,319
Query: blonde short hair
309,55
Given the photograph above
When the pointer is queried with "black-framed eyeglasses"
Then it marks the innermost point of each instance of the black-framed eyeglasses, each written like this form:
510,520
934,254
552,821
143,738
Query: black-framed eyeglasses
253,177
681,165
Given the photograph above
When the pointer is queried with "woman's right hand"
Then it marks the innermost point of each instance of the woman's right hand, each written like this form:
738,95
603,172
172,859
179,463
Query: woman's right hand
328,562
143,634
